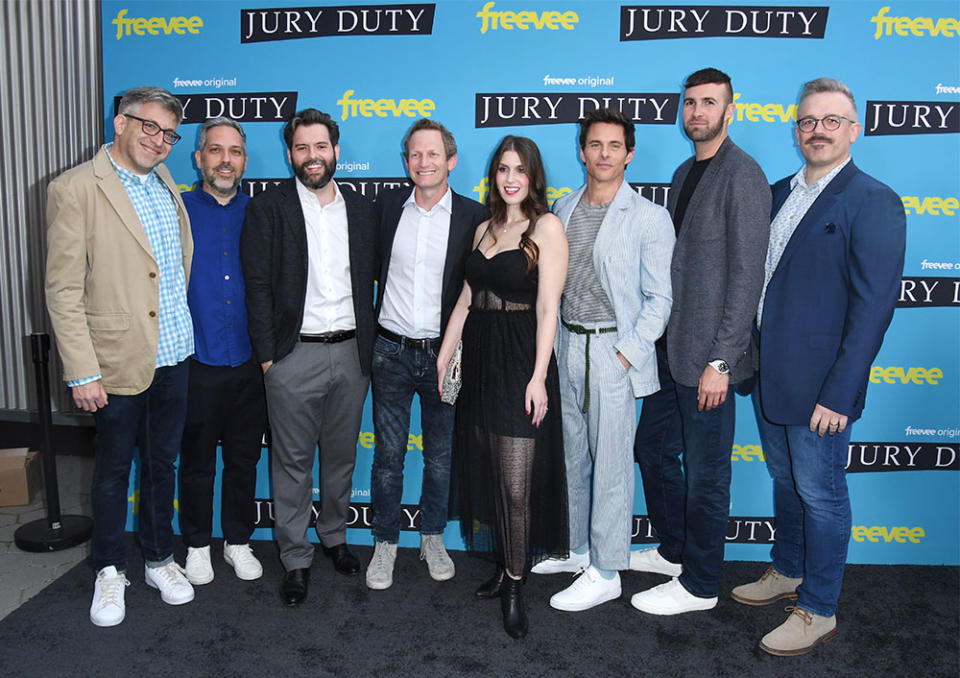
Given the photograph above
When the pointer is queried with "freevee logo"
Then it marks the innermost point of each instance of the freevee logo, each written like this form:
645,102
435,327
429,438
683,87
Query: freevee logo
763,112
382,108
920,376
911,117
920,26
493,19
156,25
747,453
874,457
919,291
644,22
882,533
368,187
243,107
262,25
359,515
503,109
740,530
930,205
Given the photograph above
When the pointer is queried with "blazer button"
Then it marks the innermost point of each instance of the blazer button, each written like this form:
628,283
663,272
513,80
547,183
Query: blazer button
153,314
152,274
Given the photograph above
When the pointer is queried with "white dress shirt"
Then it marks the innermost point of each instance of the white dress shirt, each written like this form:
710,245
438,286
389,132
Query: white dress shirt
328,306
412,298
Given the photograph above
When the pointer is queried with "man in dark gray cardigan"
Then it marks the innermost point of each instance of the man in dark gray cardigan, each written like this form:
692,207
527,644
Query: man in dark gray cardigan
720,204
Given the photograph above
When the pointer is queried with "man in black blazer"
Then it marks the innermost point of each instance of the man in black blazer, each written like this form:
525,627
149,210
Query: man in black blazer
424,237
307,250
720,204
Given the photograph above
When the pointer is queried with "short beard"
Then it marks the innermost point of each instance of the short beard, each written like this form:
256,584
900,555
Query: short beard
706,133
210,179
315,184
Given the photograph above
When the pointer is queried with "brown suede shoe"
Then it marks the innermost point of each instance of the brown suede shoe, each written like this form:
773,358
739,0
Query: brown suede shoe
770,588
802,632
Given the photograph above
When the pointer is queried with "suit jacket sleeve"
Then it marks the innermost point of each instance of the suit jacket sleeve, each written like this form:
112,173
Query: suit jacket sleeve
877,245
256,257
66,280
748,231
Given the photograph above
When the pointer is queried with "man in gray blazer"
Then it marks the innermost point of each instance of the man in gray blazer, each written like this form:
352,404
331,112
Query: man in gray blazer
615,305
720,203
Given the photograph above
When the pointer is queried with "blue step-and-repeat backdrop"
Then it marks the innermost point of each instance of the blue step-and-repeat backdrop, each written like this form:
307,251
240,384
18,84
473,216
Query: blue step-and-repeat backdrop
486,68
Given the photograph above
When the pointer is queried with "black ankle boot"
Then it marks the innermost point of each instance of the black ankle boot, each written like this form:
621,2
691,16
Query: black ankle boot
491,587
514,611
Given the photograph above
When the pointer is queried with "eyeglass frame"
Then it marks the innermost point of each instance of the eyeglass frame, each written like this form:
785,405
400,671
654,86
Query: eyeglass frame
174,137
822,123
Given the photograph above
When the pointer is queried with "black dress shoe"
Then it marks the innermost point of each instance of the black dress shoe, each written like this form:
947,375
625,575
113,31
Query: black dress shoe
344,561
491,587
511,605
293,588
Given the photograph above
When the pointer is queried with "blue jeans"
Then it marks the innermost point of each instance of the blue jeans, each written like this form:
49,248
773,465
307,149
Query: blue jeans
399,371
812,508
689,501
153,421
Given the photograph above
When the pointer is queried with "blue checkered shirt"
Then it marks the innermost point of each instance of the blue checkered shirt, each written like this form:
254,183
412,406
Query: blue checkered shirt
158,216
794,208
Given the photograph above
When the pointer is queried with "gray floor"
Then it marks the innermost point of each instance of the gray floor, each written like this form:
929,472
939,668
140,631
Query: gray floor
23,575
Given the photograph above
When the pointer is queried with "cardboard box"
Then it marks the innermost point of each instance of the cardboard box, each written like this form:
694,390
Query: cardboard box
20,476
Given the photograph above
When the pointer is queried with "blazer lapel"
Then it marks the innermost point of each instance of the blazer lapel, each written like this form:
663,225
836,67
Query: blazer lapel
611,224
821,206
455,237
390,223
112,187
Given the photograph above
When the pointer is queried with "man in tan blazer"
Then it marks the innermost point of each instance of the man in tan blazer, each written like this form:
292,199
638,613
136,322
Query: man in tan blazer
118,260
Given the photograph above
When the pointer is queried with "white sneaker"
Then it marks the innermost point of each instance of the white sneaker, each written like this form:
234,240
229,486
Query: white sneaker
107,608
670,598
174,587
240,557
589,590
198,568
650,560
380,570
573,563
438,560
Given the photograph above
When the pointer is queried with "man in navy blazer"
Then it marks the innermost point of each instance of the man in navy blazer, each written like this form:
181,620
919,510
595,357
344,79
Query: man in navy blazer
833,271
424,237
307,250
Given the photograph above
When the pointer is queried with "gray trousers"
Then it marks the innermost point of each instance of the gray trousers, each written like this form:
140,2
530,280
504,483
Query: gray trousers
598,447
315,396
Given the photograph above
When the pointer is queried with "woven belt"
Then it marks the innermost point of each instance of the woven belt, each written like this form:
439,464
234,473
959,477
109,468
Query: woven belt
580,329
408,342
328,337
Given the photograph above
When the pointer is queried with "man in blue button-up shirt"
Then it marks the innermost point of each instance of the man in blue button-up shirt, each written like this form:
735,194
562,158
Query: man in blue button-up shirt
225,400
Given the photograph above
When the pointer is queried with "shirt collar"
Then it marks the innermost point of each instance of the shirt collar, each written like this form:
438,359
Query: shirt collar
210,200
125,174
800,177
446,202
308,196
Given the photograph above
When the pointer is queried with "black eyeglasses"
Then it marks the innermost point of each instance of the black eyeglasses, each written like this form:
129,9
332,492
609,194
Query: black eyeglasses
152,129
830,123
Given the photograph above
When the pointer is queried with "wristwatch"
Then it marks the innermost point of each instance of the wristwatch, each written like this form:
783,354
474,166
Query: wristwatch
720,366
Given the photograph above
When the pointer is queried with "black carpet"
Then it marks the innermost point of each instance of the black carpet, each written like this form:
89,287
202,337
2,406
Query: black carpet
893,621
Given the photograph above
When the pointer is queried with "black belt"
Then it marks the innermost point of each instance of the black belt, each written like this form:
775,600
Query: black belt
422,344
328,337
580,329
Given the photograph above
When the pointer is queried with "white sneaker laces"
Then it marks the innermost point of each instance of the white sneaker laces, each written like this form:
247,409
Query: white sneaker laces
111,588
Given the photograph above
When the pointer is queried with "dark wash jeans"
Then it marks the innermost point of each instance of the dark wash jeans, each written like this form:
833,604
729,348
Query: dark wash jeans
399,371
153,421
688,501
812,508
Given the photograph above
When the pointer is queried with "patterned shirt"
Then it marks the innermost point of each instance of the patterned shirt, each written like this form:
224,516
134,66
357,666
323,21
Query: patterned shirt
158,216
584,300
794,208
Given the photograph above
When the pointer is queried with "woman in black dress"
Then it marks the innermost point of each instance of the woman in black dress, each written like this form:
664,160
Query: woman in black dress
508,478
